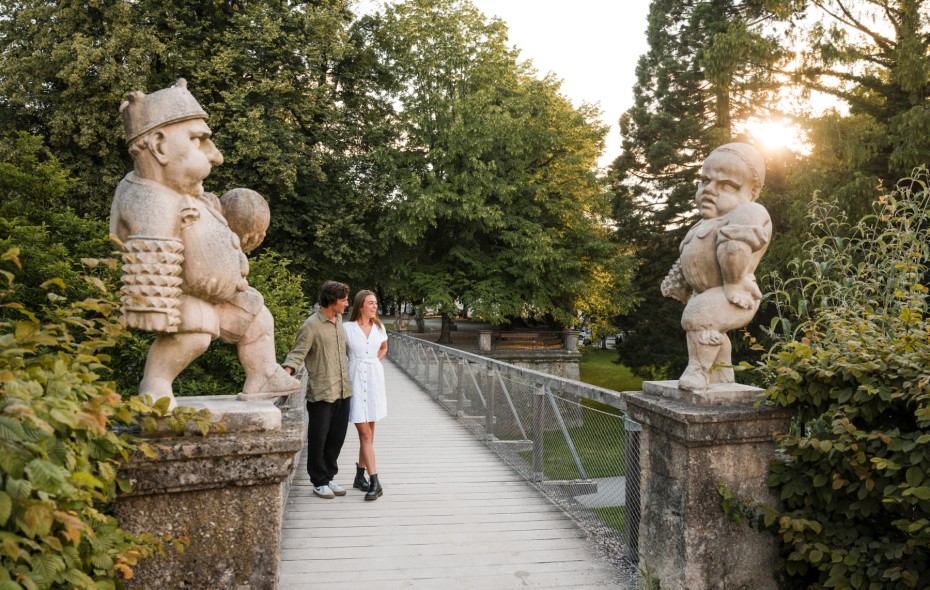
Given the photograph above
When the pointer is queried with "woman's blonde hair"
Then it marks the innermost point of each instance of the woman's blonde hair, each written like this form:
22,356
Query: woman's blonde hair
357,307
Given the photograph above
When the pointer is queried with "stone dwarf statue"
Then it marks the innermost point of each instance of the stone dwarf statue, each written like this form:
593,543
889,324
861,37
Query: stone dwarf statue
184,264
713,276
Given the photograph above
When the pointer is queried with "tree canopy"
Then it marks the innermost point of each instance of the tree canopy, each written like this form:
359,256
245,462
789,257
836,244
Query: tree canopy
495,201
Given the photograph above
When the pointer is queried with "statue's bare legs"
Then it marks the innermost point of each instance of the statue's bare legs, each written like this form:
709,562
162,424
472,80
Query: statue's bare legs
169,355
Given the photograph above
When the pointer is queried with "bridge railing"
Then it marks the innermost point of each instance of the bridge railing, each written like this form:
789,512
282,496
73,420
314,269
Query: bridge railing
572,440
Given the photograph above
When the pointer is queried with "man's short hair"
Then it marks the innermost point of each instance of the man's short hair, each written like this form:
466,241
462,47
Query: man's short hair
332,292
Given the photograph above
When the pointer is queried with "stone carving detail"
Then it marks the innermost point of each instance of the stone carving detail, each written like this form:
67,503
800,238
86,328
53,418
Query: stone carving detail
185,273
713,276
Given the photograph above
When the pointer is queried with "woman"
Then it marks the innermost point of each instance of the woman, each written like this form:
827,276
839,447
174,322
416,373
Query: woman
366,340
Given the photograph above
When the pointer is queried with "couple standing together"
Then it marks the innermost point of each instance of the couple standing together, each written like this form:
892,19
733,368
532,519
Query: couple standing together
345,383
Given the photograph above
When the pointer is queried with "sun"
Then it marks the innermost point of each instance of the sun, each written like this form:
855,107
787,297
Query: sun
778,134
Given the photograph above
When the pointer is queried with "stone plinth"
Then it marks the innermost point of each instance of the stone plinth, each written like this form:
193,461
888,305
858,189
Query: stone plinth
223,492
484,340
719,394
560,363
685,539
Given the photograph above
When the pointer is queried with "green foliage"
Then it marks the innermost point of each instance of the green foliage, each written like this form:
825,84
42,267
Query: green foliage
58,451
874,60
32,180
853,361
494,199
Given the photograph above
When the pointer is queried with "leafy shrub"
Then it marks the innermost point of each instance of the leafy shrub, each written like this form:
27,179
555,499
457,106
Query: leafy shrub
854,477
58,451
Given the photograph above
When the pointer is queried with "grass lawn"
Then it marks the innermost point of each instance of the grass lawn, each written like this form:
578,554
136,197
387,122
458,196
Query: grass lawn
614,516
598,368
601,446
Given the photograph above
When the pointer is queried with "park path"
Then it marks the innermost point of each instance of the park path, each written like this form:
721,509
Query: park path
453,516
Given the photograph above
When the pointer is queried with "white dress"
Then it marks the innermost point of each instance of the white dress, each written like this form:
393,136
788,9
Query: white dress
369,400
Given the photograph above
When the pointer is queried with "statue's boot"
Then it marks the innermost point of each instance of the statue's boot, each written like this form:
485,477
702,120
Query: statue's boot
278,384
264,377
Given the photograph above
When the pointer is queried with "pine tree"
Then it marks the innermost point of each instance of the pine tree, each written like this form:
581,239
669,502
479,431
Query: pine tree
708,68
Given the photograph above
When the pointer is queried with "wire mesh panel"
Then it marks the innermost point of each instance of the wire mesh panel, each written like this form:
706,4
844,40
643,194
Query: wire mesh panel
581,453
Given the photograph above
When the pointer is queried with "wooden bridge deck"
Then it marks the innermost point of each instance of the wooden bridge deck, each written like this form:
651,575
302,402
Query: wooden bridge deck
453,516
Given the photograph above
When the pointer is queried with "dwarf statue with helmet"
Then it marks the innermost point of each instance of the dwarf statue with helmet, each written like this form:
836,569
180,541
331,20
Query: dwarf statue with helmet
183,249
713,276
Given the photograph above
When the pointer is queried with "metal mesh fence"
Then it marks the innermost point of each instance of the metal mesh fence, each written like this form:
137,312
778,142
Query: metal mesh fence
571,440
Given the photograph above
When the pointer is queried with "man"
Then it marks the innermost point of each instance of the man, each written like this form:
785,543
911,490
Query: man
184,268
713,276
320,346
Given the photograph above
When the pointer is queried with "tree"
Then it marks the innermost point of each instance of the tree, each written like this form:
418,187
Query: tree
495,202
709,67
275,78
873,57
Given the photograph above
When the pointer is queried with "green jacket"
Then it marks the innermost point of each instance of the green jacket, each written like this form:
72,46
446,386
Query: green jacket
320,345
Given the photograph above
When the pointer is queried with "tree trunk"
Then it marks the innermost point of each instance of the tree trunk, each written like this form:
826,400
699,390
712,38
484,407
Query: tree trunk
445,336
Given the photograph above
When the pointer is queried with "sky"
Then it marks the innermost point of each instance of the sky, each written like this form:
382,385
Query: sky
592,46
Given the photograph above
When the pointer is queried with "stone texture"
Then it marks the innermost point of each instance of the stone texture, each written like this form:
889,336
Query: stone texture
719,394
687,451
185,272
225,493
560,363
713,275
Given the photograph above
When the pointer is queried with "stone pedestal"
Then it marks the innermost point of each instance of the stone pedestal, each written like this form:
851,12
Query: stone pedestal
685,539
570,340
484,340
223,492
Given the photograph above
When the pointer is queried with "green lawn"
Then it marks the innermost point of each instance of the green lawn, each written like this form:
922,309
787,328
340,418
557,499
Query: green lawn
614,516
600,443
598,368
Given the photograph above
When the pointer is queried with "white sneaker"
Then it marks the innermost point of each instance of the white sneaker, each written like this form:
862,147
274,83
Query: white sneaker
337,489
324,492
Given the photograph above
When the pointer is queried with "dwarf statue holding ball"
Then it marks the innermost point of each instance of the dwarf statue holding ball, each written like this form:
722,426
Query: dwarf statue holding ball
713,276
184,265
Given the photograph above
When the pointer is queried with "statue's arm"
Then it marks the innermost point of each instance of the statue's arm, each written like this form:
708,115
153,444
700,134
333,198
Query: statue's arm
738,246
302,343
674,284
152,253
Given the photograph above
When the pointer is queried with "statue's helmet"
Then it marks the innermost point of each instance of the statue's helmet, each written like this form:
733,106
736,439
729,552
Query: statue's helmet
144,112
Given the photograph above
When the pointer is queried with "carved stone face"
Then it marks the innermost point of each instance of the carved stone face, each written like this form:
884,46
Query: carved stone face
725,183
189,155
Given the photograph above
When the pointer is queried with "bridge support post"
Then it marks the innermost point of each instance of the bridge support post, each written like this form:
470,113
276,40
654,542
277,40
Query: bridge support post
491,401
539,432
224,492
687,451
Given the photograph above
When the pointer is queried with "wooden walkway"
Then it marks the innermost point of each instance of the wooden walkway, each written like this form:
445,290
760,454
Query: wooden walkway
453,516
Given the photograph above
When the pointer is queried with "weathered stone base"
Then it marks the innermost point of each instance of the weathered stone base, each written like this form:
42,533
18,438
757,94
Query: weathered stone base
719,394
685,539
560,363
222,492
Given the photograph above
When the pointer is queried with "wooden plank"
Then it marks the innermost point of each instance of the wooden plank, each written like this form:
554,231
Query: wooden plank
453,515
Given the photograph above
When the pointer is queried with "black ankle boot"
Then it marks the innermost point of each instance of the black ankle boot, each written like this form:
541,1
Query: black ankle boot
360,482
375,490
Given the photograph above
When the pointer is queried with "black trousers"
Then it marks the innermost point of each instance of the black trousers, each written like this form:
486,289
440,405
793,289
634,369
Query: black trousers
325,434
